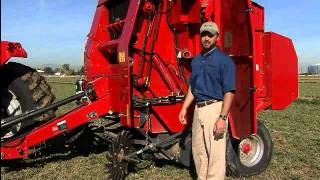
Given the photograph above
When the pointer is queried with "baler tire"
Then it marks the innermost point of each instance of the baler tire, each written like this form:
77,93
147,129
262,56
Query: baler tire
236,168
30,88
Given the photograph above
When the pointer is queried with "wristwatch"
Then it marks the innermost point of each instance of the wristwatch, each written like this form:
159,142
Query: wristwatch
223,117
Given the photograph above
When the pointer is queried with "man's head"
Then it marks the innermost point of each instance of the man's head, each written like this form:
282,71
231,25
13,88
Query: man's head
209,32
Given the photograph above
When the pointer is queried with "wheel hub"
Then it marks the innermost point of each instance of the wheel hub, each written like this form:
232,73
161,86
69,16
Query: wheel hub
251,150
245,148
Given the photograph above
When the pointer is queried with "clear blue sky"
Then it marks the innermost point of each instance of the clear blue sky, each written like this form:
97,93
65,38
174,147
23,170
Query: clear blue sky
54,31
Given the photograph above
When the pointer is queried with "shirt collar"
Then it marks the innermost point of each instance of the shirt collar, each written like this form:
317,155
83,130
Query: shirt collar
209,52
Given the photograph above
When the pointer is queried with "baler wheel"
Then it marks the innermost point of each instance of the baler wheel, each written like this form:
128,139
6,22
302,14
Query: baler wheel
118,166
23,89
249,156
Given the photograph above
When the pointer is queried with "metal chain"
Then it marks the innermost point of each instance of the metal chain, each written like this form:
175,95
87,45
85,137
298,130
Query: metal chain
149,123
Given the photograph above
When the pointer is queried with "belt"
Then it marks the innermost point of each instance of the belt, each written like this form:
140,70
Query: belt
208,102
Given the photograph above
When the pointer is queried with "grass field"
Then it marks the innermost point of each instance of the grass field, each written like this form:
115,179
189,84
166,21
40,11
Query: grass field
295,134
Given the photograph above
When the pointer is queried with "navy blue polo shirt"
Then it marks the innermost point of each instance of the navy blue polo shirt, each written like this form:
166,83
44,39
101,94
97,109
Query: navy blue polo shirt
213,75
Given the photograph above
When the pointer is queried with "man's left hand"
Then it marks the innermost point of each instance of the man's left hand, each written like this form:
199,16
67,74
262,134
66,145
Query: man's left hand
219,128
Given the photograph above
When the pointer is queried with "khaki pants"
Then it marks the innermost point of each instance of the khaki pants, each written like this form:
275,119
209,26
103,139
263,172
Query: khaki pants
209,155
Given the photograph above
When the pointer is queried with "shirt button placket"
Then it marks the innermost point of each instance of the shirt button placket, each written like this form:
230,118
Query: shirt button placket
203,63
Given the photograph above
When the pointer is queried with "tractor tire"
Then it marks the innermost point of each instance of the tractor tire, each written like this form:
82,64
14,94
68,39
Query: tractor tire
249,156
23,89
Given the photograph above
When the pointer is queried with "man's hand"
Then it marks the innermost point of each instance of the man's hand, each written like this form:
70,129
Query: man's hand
182,116
219,128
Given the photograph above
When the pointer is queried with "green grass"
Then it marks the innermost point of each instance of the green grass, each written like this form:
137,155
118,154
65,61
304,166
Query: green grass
309,87
61,88
309,90
295,134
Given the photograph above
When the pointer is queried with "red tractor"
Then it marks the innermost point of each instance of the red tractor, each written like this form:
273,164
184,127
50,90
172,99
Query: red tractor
136,68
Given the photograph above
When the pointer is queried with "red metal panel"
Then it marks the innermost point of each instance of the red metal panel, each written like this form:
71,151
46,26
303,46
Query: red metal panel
235,28
238,42
107,57
11,49
257,16
119,89
242,107
95,62
281,71
260,100
185,12
164,119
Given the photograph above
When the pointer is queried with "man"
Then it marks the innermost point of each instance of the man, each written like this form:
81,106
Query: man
212,85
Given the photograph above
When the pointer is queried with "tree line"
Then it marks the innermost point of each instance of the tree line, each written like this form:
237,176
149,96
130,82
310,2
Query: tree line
64,69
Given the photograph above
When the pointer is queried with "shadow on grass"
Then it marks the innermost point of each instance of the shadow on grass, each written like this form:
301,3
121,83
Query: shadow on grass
311,101
16,165
55,152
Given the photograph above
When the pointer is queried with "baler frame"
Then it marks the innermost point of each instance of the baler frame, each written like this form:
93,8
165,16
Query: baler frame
119,87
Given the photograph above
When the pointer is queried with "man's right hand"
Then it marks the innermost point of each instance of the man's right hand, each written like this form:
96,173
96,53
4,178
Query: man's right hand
182,116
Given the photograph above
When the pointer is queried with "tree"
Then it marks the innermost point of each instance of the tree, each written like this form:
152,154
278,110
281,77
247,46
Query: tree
65,68
48,70
81,70
57,70
69,72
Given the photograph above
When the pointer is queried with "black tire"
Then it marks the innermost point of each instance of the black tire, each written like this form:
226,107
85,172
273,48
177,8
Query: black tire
28,86
237,167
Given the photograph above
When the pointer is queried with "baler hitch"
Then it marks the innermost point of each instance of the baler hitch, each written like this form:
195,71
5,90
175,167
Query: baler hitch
160,144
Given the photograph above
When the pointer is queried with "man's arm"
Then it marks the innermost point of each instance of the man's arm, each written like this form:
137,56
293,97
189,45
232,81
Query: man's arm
227,102
188,100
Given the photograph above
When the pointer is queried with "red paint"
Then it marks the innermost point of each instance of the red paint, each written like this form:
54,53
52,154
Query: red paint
245,148
11,49
246,45
282,66
266,64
